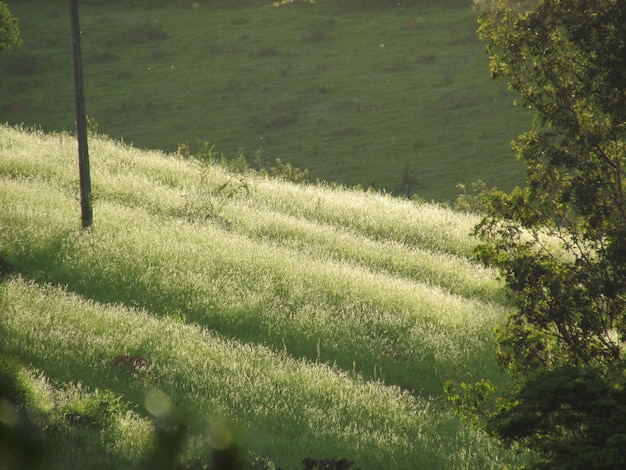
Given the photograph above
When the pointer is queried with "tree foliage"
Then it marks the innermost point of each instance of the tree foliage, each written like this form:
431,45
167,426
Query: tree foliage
9,28
573,417
560,242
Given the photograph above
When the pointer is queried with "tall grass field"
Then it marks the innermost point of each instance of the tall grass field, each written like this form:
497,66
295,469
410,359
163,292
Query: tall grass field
397,96
298,321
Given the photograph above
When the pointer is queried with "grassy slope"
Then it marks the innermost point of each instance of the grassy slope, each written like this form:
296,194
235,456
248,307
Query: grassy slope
284,310
355,96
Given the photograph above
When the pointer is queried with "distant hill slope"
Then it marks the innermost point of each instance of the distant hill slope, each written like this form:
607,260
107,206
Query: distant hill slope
313,321
399,97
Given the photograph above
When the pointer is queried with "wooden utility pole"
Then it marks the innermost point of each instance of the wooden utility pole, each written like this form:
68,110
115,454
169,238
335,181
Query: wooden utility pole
81,123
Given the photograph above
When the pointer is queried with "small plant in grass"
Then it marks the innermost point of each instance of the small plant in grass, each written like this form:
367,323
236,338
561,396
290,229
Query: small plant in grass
92,127
242,164
205,155
94,409
215,197
285,171
472,200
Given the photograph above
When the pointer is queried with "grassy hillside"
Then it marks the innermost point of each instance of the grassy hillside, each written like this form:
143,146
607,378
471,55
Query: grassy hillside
310,321
394,96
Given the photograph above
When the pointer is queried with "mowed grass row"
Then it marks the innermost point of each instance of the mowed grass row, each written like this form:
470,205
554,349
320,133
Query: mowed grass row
375,215
174,249
386,327
383,325
266,398
370,229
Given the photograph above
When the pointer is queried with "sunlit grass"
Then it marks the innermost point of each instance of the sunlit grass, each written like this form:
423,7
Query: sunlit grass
401,237
82,423
249,297
248,289
267,397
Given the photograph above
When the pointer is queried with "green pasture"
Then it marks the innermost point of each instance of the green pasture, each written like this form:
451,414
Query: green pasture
398,96
300,321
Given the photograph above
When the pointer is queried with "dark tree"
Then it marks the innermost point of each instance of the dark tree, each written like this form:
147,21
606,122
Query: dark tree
9,28
560,242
